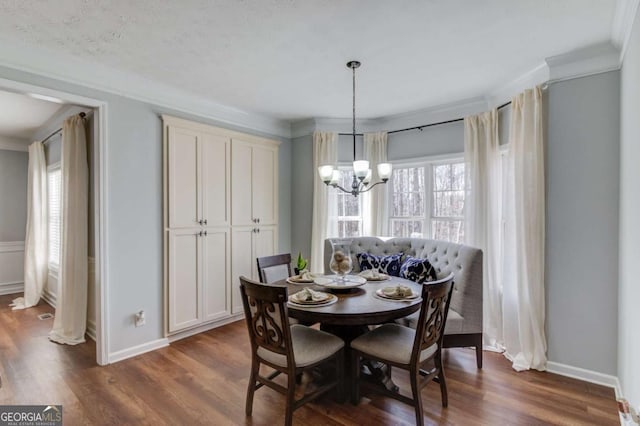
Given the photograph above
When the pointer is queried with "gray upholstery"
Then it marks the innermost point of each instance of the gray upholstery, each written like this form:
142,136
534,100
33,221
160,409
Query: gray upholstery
465,312
275,273
392,342
309,346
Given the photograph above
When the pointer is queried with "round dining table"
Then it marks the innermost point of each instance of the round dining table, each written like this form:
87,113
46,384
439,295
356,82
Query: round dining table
356,309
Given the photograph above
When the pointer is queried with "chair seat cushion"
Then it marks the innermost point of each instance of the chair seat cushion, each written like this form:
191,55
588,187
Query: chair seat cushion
455,321
309,347
392,342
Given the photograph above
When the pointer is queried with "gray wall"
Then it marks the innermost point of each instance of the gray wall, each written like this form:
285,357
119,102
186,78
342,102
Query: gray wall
582,162
14,166
629,290
134,152
302,195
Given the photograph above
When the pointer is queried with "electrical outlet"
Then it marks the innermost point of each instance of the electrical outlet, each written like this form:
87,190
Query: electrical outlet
140,319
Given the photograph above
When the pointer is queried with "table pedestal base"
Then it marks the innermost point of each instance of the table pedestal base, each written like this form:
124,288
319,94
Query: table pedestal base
373,371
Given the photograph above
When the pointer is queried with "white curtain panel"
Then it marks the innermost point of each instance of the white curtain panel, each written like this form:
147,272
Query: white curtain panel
374,202
70,321
325,152
36,245
523,289
483,213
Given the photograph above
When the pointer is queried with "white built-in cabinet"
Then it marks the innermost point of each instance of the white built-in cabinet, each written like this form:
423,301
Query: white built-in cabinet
220,213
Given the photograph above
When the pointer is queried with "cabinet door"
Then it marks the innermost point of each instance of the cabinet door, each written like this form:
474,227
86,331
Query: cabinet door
241,172
184,278
242,263
182,170
215,274
214,163
265,185
265,243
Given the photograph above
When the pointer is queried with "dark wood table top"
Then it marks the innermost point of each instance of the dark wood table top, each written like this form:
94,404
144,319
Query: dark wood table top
358,306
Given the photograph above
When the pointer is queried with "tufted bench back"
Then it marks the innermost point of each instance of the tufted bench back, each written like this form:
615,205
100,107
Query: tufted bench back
464,261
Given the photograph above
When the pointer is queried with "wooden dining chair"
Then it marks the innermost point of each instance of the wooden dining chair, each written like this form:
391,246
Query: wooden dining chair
419,351
274,268
288,349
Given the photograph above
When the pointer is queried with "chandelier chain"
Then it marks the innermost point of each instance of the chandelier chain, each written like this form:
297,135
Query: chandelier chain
354,113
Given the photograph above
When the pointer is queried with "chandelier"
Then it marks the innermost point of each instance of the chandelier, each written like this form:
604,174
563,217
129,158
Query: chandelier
361,171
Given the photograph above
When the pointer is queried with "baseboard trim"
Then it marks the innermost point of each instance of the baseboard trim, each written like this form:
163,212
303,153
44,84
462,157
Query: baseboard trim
11,287
585,375
50,298
205,327
137,350
91,330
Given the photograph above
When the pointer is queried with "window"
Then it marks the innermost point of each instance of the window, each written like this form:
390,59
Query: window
447,212
427,200
53,189
349,214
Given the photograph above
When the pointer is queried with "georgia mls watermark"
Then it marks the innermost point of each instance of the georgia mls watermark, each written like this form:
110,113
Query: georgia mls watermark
30,415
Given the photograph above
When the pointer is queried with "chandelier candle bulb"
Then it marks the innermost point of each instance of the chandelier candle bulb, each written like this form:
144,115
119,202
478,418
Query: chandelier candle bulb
384,171
326,173
360,168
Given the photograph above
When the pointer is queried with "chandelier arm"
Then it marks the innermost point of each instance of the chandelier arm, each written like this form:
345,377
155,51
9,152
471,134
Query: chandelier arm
335,185
375,184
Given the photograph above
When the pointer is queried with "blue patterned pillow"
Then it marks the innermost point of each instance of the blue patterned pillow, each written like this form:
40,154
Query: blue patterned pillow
389,265
418,270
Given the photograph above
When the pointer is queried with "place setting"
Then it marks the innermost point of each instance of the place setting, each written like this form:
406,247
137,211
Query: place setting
308,298
396,293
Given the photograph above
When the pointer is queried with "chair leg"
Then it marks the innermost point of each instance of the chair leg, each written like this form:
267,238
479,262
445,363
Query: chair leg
340,376
417,399
442,382
255,368
479,350
355,377
291,392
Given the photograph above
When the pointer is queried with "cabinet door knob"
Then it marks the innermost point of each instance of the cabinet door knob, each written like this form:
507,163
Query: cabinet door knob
205,221
258,220
200,233
205,233
200,221
258,230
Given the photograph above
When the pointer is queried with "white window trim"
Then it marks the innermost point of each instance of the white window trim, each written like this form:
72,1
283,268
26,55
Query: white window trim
428,163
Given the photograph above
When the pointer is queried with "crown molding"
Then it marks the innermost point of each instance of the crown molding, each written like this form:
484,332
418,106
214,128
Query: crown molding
435,114
500,95
13,144
623,20
594,59
76,71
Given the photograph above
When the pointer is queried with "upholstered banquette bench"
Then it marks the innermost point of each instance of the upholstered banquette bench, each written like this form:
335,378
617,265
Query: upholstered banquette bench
464,322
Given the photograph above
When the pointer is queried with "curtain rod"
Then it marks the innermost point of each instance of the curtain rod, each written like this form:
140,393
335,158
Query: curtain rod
424,125
45,140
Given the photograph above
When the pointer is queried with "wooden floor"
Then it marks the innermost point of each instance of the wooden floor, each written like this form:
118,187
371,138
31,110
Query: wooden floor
203,379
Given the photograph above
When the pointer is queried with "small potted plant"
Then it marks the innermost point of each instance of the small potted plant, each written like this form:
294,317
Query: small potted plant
301,264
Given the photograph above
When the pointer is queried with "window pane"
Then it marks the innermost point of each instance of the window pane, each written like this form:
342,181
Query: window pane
349,228
408,192
448,230
349,218
53,187
448,203
406,228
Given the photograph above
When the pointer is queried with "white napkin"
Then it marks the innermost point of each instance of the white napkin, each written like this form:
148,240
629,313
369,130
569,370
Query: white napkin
370,274
398,291
308,295
306,276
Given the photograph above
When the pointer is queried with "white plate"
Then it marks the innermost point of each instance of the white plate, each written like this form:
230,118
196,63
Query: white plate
331,281
330,301
293,280
380,293
377,296
380,277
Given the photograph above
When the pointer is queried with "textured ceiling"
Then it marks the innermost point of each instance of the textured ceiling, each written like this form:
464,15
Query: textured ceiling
21,115
287,59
